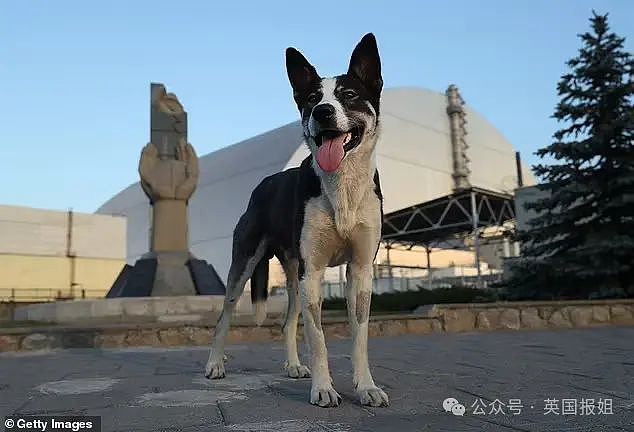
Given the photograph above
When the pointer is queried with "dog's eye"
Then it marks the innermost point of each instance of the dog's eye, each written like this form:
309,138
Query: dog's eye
349,94
313,98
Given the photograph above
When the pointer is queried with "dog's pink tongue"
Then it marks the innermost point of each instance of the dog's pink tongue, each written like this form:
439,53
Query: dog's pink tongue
331,153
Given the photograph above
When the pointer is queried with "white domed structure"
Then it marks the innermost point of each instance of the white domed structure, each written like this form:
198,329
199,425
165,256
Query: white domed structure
414,157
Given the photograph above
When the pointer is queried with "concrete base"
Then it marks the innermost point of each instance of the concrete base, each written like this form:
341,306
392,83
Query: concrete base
172,275
161,274
197,308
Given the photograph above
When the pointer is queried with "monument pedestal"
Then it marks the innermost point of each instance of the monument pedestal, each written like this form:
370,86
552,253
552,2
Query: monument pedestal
167,274
173,275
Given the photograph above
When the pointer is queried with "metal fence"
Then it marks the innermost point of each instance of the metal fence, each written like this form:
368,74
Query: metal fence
402,280
47,294
399,284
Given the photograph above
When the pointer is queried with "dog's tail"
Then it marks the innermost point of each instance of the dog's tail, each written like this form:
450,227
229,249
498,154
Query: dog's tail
259,289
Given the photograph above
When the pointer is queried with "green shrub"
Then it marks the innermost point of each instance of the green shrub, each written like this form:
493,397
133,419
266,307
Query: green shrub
410,300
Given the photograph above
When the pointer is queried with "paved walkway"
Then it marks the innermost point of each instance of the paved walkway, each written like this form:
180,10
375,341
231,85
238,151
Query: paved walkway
503,379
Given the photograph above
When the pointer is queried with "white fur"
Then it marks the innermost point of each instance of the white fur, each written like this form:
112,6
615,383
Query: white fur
342,123
293,367
343,224
346,187
259,313
215,364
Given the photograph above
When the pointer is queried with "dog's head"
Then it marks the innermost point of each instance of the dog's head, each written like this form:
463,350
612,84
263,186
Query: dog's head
339,113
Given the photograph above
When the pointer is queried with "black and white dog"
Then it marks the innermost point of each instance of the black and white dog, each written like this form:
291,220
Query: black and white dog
324,213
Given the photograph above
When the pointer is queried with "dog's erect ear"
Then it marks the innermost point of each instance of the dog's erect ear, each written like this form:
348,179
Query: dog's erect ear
365,63
301,73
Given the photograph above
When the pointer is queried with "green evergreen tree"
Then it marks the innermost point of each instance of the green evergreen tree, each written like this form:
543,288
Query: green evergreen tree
581,243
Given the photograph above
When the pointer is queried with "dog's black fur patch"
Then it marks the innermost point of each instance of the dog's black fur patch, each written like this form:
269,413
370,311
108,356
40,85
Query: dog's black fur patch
276,212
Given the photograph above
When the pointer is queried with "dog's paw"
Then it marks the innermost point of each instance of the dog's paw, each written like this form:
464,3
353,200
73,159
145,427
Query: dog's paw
373,396
325,397
297,370
215,370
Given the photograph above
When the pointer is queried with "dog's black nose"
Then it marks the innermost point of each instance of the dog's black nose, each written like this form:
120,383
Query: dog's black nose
323,112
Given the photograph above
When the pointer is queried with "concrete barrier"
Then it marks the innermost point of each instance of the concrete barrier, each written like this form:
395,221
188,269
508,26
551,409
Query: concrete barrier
139,309
6,311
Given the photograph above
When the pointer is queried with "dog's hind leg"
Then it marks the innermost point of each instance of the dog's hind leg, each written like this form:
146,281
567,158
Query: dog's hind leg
248,250
358,297
293,366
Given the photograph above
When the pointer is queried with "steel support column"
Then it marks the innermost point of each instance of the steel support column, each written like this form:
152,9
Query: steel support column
429,275
476,237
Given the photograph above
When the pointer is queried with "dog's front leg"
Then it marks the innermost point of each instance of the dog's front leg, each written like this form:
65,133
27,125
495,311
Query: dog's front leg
322,392
359,293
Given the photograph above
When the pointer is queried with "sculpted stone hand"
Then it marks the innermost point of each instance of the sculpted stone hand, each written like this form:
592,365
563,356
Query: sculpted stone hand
187,154
153,187
164,178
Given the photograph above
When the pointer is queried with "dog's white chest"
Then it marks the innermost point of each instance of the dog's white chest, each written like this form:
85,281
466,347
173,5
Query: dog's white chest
351,202
345,219
329,236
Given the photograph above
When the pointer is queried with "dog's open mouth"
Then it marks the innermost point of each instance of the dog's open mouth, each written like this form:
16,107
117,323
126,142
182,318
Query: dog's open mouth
332,146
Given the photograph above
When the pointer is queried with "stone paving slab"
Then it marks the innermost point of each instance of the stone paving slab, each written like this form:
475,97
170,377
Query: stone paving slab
163,389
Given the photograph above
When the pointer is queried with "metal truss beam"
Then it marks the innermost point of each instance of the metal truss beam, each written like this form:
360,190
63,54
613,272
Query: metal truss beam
448,217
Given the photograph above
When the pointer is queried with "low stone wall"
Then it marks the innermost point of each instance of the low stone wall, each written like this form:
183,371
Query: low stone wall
531,315
173,334
426,320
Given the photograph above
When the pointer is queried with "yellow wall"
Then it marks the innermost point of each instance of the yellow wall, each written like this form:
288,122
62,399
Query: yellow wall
41,277
439,258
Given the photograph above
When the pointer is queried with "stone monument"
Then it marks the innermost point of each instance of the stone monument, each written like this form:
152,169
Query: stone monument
169,174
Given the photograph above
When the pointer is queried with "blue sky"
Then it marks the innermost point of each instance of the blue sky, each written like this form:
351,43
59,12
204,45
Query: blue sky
75,75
